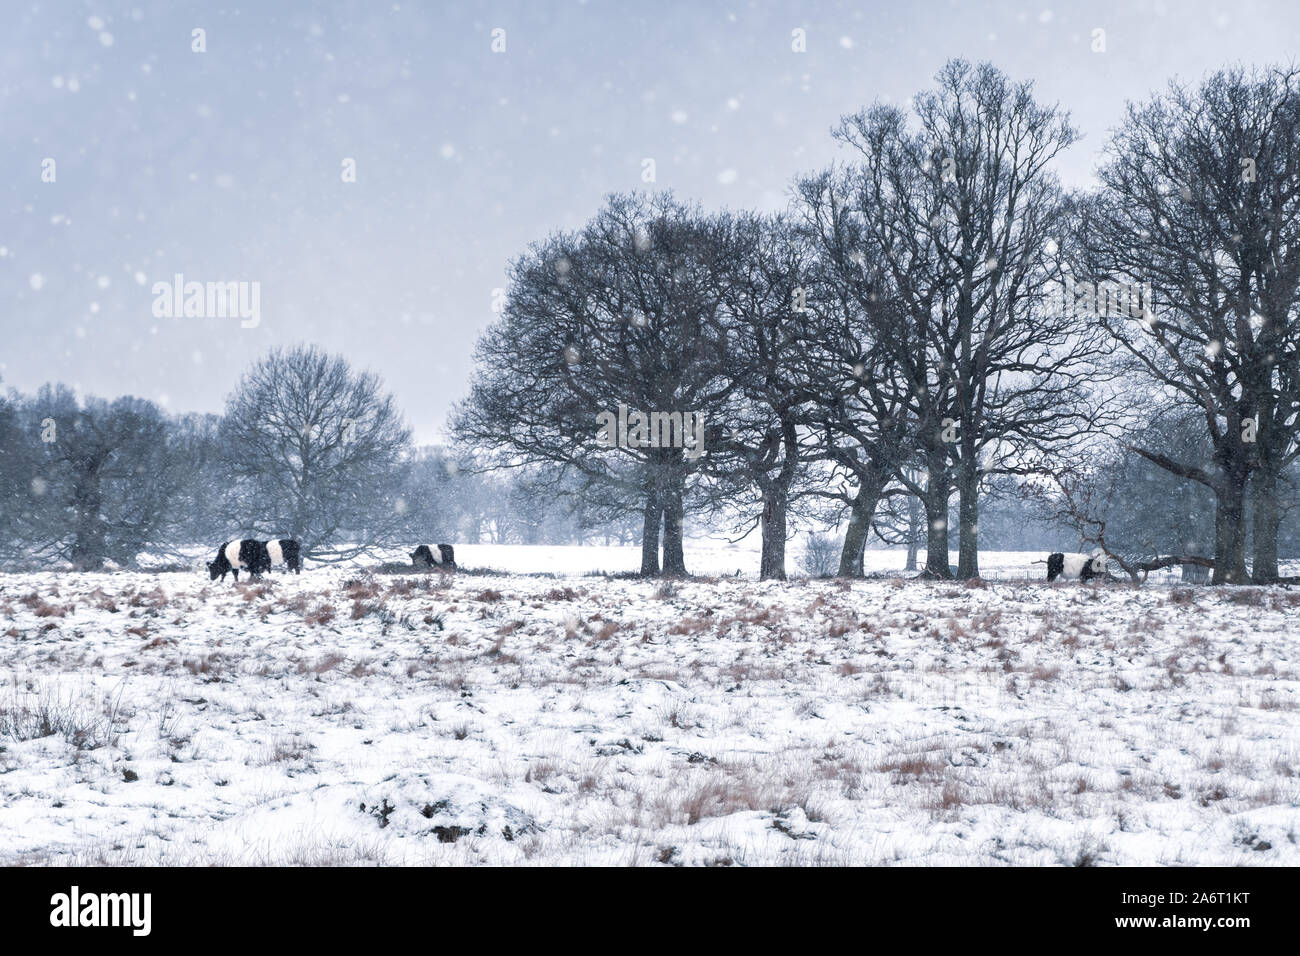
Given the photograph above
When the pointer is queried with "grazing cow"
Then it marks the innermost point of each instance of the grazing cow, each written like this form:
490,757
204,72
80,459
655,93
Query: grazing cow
248,554
437,556
285,551
1072,567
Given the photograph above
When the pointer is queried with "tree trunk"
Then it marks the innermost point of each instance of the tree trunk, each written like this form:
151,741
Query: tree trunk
1267,518
968,565
913,531
650,531
772,562
88,541
674,558
861,512
1230,530
936,524
776,506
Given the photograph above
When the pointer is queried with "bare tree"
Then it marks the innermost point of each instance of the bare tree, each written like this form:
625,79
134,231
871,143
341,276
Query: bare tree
627,312
953,225
859,344
106,476
762,444
315,451
1201,203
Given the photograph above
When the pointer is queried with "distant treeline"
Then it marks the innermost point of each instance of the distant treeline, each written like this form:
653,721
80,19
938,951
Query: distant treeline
307,448
94,480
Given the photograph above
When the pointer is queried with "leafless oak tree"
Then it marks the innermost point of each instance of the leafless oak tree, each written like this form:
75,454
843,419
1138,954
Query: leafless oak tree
313,451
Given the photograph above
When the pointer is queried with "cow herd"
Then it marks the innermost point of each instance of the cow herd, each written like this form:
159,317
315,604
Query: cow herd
255,557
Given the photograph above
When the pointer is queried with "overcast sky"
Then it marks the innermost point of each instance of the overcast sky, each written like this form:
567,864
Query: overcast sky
226,165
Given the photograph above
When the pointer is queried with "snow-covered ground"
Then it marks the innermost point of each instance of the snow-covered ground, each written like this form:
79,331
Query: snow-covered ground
340,717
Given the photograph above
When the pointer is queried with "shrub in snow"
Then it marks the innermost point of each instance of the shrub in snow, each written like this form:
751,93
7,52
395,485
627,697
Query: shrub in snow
819,556
445,806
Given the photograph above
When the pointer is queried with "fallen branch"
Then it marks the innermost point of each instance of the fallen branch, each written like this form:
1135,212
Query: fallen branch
1138,571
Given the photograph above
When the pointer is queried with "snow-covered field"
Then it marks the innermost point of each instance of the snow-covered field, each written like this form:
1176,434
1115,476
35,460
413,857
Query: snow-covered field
340,717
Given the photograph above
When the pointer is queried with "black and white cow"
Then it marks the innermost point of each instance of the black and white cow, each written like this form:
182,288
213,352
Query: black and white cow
1075,567
285,551
437,556
247,554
